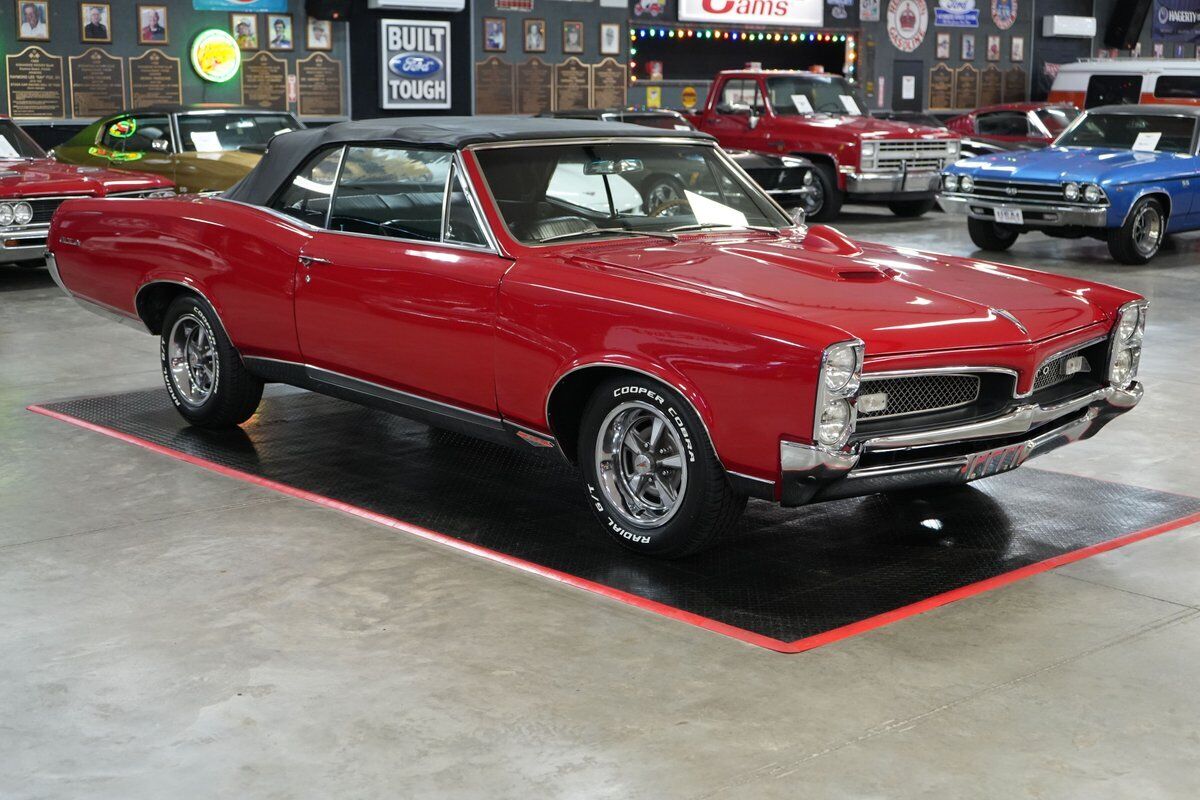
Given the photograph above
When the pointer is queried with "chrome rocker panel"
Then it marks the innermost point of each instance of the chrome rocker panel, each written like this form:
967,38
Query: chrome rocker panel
1064,215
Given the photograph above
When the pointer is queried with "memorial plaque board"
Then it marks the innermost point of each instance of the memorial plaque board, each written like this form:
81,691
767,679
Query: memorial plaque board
97,84
990,86
572,85
494,89
534,79
608,84
36,89
966,87
941,87
264,82
154,80
319,86
1014,85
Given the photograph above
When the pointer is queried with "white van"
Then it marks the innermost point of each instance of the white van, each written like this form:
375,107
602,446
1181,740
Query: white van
1101,82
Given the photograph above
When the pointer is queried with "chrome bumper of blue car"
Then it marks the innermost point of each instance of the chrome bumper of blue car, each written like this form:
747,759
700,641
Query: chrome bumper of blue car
1037,215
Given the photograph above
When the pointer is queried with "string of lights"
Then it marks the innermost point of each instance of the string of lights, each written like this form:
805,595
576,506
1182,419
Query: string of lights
718,34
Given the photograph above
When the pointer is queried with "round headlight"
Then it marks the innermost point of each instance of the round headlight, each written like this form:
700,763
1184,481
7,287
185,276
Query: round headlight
835,422
950,182
7,213
1128,326
1091,193
840,366
807,180
966,183
22,213
1122,368
1071,191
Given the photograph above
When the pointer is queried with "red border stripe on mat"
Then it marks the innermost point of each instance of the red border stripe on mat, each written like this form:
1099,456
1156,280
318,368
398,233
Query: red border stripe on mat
800,645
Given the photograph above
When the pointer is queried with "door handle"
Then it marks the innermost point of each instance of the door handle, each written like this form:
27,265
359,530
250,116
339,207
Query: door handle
308,261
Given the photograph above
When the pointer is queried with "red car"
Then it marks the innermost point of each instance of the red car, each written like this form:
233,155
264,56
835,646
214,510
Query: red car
1037,124
823,117
32,185
499,276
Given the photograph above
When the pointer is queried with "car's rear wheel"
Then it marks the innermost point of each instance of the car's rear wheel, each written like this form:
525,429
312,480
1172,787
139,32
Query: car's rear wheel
825,184
651,473
1139,239
911,208
988,235
205,378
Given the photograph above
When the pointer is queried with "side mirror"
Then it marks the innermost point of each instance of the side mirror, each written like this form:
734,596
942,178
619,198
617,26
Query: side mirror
753,120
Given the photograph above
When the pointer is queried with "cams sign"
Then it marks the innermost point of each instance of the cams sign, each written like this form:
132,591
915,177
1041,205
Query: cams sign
753,12
414,62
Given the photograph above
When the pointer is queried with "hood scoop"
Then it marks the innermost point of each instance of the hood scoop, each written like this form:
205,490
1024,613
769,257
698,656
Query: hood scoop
824,239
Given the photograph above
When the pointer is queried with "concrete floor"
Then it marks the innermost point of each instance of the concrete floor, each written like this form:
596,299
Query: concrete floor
167,632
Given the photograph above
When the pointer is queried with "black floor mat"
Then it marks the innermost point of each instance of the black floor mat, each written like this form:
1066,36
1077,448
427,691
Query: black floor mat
790,579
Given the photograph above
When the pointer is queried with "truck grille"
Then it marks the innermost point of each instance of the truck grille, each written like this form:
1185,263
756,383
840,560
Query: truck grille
917,155
916,394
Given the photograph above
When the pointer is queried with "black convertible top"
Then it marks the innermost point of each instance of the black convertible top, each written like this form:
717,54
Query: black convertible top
289,150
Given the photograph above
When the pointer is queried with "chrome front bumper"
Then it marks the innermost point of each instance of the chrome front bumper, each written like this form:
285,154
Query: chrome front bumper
891,182
816,473
1049,215
23,244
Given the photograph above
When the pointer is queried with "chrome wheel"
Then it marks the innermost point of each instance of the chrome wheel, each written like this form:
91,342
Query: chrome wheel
192,359
641,464
1147,230
812,198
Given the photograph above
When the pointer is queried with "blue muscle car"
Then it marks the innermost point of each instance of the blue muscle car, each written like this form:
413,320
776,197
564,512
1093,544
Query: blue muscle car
1126,174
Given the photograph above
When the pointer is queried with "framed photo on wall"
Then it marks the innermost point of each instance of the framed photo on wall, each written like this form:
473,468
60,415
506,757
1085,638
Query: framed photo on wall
244,28
535,36
95,23
318,34
152,25
610,38
495,35
1016,50
33,20
943,46
993,48
279,29
572,41
968,47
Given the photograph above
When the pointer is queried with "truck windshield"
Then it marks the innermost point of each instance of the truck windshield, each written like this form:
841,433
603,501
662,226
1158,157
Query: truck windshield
814,94
211,133
15,143
581,190
1164,134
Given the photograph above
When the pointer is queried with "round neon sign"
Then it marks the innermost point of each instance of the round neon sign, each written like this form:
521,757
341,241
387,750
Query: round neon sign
216,56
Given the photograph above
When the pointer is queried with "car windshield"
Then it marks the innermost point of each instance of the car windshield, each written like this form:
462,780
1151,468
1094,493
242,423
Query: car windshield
1146,132
212,133
15,143
565,191
1056,120
809,94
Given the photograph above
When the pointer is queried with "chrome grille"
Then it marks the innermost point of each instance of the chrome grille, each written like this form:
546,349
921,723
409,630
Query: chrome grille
1054,372
916,394
920,155
1021,192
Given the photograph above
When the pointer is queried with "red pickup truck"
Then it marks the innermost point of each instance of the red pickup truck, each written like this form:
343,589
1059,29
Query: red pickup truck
823,118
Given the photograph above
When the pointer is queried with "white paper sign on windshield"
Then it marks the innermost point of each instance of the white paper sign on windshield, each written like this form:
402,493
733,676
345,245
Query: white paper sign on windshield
800,101
1147,141
6,148
849,104
206,141
712,212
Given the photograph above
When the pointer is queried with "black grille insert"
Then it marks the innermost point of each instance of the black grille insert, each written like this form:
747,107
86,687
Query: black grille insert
916,394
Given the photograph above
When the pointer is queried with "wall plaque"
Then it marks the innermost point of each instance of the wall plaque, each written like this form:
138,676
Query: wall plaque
264,82
572,85
608,84
534,79
36,89
494,89
941,87
97,84
966,87
990,86
1014,85
154,80
319,86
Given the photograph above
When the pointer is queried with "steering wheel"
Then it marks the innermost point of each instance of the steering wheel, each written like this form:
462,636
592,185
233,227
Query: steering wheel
668,208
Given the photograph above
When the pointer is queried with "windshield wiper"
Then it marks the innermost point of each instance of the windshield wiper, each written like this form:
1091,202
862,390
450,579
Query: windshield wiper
605,231
708,226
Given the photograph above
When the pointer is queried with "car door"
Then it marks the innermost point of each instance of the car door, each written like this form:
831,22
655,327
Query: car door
138,143
738,112
400,289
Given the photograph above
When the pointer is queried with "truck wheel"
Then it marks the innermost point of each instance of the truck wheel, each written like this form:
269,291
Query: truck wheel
1138,240
652,477
205,377
988,235
831,197
910,209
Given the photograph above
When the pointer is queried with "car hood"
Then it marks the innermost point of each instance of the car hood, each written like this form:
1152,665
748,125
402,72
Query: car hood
895,299
45,177
862,127
1080,164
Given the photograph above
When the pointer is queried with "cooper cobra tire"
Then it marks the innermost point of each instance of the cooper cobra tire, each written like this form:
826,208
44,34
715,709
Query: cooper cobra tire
832,197
987,235
205,378
652,477
910,209
1139,239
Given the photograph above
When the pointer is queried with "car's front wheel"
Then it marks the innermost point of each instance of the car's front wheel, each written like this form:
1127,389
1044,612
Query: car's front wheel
205,377
652,476
825,186
1139,239
988,235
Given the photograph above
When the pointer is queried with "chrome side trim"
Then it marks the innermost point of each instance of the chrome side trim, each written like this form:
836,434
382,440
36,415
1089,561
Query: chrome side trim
649,139
395,395
907,373
751,478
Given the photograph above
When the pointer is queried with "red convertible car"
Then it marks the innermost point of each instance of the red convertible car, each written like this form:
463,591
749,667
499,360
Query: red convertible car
32,185
481,275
